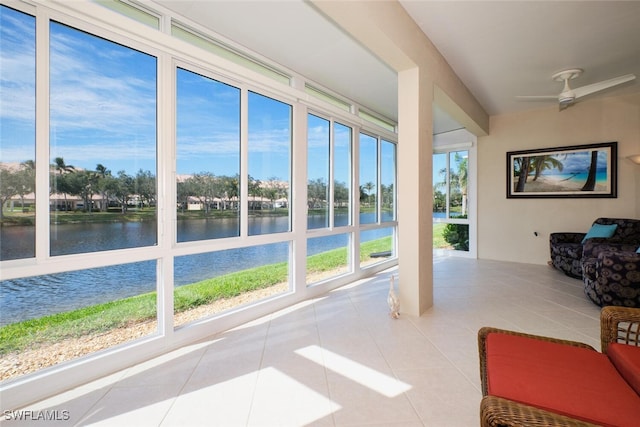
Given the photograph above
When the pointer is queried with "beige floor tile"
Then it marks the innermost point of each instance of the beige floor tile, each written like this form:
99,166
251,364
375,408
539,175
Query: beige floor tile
340,360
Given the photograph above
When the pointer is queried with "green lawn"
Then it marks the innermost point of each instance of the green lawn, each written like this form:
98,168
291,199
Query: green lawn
104,317
438,240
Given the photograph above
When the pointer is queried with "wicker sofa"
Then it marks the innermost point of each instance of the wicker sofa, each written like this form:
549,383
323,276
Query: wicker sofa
530,380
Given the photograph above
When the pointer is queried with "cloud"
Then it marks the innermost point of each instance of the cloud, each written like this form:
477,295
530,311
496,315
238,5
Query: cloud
17,86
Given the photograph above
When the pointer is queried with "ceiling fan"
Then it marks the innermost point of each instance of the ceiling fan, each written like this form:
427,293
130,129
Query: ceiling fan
569,96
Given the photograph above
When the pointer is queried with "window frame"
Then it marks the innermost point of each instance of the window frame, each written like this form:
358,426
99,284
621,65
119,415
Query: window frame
447,143
170,52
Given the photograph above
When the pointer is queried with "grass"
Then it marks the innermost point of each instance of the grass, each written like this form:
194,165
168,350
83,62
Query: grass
100,318
438,239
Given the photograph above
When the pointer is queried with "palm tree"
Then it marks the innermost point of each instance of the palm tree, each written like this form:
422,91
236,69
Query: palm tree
102,172
61,167
462,177
541,163
590,185
522,167
368,187
59,184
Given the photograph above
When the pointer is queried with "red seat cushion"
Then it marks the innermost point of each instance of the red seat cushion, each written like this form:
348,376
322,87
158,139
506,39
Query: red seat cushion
626,359
567,380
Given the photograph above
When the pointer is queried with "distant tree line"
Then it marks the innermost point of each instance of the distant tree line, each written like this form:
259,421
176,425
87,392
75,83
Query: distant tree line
123,190
16,182
318,194
119,190
222,191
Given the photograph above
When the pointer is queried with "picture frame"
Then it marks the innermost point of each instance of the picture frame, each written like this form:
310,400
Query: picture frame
576,171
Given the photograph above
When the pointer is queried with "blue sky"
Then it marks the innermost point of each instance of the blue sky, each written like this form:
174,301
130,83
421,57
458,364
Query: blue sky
17,92
579,161
103,110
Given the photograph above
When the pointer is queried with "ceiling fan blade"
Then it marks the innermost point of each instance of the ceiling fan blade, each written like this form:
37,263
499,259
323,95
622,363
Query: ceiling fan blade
562,107
606,84
537,97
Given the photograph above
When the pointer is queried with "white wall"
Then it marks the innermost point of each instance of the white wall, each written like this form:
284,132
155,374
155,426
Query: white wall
506,226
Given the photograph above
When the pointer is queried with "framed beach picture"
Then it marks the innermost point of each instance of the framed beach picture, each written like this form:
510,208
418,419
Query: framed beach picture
573,171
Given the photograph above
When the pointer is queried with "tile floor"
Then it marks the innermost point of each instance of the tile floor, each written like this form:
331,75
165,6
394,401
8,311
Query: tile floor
340,360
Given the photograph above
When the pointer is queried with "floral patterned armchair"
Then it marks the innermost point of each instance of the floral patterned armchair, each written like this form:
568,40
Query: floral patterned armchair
567,248
611,273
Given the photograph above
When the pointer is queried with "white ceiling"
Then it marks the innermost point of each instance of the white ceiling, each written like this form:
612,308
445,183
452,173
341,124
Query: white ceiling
499,49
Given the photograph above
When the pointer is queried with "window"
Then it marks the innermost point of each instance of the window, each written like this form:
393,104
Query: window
208,158
269,165
450,200
342,174
17,134
377,180
376,245
211,283
102,144
388,181
368,179
328,198
75,313
377,199
318,143
328,257
136,12
137,214
219,48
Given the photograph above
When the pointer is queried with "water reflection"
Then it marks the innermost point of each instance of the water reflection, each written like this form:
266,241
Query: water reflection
33,297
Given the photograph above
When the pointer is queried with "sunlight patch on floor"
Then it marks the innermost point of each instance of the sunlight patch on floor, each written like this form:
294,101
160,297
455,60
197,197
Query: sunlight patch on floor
363,375
281,400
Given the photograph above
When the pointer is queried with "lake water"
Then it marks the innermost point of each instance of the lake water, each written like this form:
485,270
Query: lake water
35,297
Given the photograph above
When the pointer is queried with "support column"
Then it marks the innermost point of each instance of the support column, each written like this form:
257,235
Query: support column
415,192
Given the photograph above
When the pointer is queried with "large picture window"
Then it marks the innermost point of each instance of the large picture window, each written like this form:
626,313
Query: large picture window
318,152
368,179
208,158
102,144
329,173
147,195
270,137
342,174
17,134
450,200
211,283
388,181
73,314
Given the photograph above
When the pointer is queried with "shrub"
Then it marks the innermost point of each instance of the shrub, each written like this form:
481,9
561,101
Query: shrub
457,235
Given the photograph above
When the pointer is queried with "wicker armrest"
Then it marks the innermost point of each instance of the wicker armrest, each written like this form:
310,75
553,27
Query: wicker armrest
498,412
619,324
482,338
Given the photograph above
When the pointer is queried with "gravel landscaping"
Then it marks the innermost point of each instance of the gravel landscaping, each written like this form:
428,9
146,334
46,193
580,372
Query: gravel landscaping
13,365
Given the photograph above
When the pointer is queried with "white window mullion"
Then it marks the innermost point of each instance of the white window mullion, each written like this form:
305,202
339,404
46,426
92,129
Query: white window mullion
378,180
42,136
298,205
166,191
331,179
355,204
244,163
